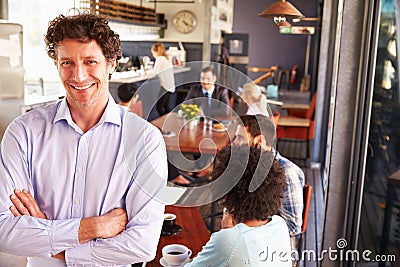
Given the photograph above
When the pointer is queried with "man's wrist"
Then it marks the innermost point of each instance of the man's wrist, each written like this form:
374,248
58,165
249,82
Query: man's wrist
88,229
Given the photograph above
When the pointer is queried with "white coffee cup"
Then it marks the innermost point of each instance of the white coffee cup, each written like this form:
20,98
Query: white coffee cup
176,254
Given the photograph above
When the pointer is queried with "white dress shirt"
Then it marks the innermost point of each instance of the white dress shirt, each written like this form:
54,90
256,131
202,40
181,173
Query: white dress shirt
120,162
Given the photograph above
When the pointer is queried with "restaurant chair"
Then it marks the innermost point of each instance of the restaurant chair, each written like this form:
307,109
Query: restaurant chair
296,127
304,113
275,118
296,132
307,190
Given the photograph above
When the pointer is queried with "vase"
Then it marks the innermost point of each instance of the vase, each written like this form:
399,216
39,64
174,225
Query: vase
191,123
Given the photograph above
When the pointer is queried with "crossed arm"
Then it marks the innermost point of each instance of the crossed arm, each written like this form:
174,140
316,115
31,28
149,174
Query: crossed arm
105,226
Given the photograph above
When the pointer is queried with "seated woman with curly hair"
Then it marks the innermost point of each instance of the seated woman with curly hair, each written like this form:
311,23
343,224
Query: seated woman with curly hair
253,234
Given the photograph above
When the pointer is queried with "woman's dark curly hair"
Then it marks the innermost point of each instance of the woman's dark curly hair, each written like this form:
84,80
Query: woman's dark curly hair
85,28
266,200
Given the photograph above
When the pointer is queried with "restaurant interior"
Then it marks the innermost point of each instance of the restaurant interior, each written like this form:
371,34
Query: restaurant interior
329,70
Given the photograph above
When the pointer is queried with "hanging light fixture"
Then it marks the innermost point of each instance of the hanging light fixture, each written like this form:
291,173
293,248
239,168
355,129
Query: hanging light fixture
283,24
281,11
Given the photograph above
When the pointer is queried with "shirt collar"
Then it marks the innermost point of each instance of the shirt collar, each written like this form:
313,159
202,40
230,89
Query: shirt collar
210,92
111,114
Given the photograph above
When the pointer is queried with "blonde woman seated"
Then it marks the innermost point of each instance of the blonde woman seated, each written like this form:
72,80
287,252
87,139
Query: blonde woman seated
253,234
255,100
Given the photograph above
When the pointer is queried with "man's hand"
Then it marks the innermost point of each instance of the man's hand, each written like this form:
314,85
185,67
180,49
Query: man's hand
227,220
112,223
25,204
105,226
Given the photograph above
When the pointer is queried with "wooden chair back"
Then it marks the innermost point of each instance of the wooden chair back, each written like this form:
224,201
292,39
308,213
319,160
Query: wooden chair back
307,189
311,111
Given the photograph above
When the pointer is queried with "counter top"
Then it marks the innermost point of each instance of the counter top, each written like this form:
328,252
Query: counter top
137,78
30,100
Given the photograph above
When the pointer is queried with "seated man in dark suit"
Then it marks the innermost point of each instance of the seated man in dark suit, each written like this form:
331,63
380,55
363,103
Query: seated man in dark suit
213,99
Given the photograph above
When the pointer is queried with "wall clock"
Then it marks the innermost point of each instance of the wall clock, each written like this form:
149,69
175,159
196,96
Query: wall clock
185,21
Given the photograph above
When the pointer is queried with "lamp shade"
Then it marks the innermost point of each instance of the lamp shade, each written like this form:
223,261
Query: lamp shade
281,9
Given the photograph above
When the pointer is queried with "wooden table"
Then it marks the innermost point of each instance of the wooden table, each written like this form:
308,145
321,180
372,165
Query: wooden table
295,106
293,122
194,233
196,140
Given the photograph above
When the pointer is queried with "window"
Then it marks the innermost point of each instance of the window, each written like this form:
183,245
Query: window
34,17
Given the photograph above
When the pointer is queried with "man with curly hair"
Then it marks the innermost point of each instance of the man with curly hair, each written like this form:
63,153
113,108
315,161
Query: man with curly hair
259,130
257,236
79,177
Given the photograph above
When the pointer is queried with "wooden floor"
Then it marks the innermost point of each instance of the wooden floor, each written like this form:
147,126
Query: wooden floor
313,238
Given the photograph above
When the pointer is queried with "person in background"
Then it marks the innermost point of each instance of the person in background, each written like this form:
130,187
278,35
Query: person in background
213,99
255,100
164,70
258,130
129,98
75,190
251,229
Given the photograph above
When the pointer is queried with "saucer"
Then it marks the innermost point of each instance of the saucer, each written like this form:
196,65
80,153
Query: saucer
219,130
168,134
175,230
165,264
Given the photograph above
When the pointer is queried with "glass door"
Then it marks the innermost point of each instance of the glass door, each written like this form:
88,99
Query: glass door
380,213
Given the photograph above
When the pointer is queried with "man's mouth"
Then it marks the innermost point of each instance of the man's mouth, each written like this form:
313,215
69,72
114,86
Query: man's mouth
81,87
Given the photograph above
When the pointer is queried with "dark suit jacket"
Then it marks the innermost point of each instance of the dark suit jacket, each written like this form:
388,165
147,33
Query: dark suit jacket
219,105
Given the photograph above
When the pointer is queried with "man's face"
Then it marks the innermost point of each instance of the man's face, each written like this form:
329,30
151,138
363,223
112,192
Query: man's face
84,72
207,80
242,136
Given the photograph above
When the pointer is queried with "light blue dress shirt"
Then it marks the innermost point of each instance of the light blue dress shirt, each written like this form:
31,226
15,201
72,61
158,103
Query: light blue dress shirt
120,162
241,245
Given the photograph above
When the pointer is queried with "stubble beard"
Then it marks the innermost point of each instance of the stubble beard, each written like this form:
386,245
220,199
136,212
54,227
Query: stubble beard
92,101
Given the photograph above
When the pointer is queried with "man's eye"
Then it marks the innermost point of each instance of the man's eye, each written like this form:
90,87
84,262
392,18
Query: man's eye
91,61
64,63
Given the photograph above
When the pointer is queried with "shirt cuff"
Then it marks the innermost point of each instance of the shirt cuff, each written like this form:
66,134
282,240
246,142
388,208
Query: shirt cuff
64,234
79,256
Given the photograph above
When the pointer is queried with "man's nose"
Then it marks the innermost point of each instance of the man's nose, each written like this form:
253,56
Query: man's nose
80,73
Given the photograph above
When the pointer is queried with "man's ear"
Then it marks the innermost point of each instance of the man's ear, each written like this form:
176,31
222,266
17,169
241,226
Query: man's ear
112,66
259,141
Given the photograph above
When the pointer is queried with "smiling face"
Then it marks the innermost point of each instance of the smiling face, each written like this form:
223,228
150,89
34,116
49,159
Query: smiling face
84,72
207,80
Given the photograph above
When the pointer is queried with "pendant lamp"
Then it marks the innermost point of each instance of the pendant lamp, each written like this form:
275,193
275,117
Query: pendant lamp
281,11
